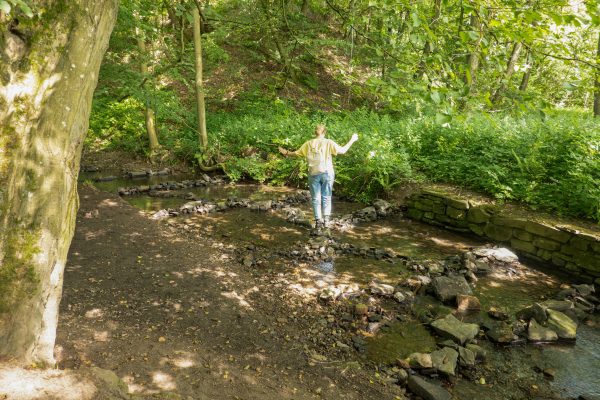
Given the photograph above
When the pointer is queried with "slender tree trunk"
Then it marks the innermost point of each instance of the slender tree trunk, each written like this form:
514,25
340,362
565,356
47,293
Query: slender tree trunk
49,73
527,73
428,48
200,106
473,60
597,83
510,68
150,118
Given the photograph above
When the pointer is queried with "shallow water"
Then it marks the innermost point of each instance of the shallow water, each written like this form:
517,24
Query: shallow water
399,340
410,238
577,365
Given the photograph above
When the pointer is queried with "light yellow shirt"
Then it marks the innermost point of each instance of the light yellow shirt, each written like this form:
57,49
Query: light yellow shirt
318,153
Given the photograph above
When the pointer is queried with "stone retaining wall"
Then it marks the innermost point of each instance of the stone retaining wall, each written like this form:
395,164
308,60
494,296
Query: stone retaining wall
575,252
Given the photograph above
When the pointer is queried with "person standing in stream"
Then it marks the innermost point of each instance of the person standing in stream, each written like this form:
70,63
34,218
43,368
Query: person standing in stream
319,154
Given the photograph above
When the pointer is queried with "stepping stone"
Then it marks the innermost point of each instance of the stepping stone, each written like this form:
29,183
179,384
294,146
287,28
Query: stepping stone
426,389
538,333
420,360
564,326
467,303
446,288
445,360
466,357
452,328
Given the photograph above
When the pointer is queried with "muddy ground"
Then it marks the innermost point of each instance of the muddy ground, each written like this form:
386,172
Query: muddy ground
174,312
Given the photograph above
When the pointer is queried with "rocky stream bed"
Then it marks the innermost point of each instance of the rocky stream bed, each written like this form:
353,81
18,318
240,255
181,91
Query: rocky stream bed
432,314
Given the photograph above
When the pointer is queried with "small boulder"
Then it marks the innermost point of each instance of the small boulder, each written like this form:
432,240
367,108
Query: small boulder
538,333
564,326
382,207
501,333
381,289
446,288
480,353
466,357
584,290
454,329
535,311
445,360
399,297
557,305
420,360
500,254
427,390
466,303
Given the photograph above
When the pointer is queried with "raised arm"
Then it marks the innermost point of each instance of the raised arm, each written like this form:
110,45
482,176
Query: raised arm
288,153
345,148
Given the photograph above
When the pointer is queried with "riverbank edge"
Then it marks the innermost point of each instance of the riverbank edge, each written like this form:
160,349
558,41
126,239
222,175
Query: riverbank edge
566,248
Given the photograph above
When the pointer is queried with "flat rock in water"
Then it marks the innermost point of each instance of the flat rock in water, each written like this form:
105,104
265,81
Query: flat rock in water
564,326
558,305
420,360
427,390
501,254
535,311
501,333
480,353
445,360
584,290
452,328
466,357
381,289
446,288
538,333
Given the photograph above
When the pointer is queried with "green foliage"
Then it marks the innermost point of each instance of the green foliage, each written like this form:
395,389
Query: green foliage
117,124
553,163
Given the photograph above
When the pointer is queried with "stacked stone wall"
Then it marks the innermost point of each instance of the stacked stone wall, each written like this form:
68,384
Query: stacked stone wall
564,248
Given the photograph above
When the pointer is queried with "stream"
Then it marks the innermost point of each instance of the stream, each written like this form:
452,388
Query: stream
575,366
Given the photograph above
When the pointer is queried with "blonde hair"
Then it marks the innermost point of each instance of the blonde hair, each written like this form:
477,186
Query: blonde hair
320,129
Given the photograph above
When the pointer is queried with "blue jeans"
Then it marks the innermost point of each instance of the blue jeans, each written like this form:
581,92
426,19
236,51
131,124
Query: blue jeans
321,188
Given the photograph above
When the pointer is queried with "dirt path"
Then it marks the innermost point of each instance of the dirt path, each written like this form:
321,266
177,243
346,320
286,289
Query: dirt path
175,315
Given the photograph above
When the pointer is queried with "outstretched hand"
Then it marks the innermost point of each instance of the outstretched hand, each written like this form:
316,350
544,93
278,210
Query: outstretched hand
283,151
354,137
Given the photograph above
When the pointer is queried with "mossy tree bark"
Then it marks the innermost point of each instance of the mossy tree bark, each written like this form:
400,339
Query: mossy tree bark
150,114
48,71
597,83
200,106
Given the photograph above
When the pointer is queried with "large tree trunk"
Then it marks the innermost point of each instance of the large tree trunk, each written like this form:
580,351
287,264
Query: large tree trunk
200,106
150,115
49,70
597,83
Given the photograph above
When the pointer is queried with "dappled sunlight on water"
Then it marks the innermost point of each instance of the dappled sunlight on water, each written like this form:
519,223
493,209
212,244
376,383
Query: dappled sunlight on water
409,238
515,288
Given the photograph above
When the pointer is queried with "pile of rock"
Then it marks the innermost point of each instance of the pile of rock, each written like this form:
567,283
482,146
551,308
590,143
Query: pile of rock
553,320
207,207
156,189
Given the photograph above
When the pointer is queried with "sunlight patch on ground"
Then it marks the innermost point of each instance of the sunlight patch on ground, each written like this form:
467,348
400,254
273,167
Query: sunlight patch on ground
163,380
181,359
240,299
94,313
102,336
134,388
21,384
109,203
217,272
